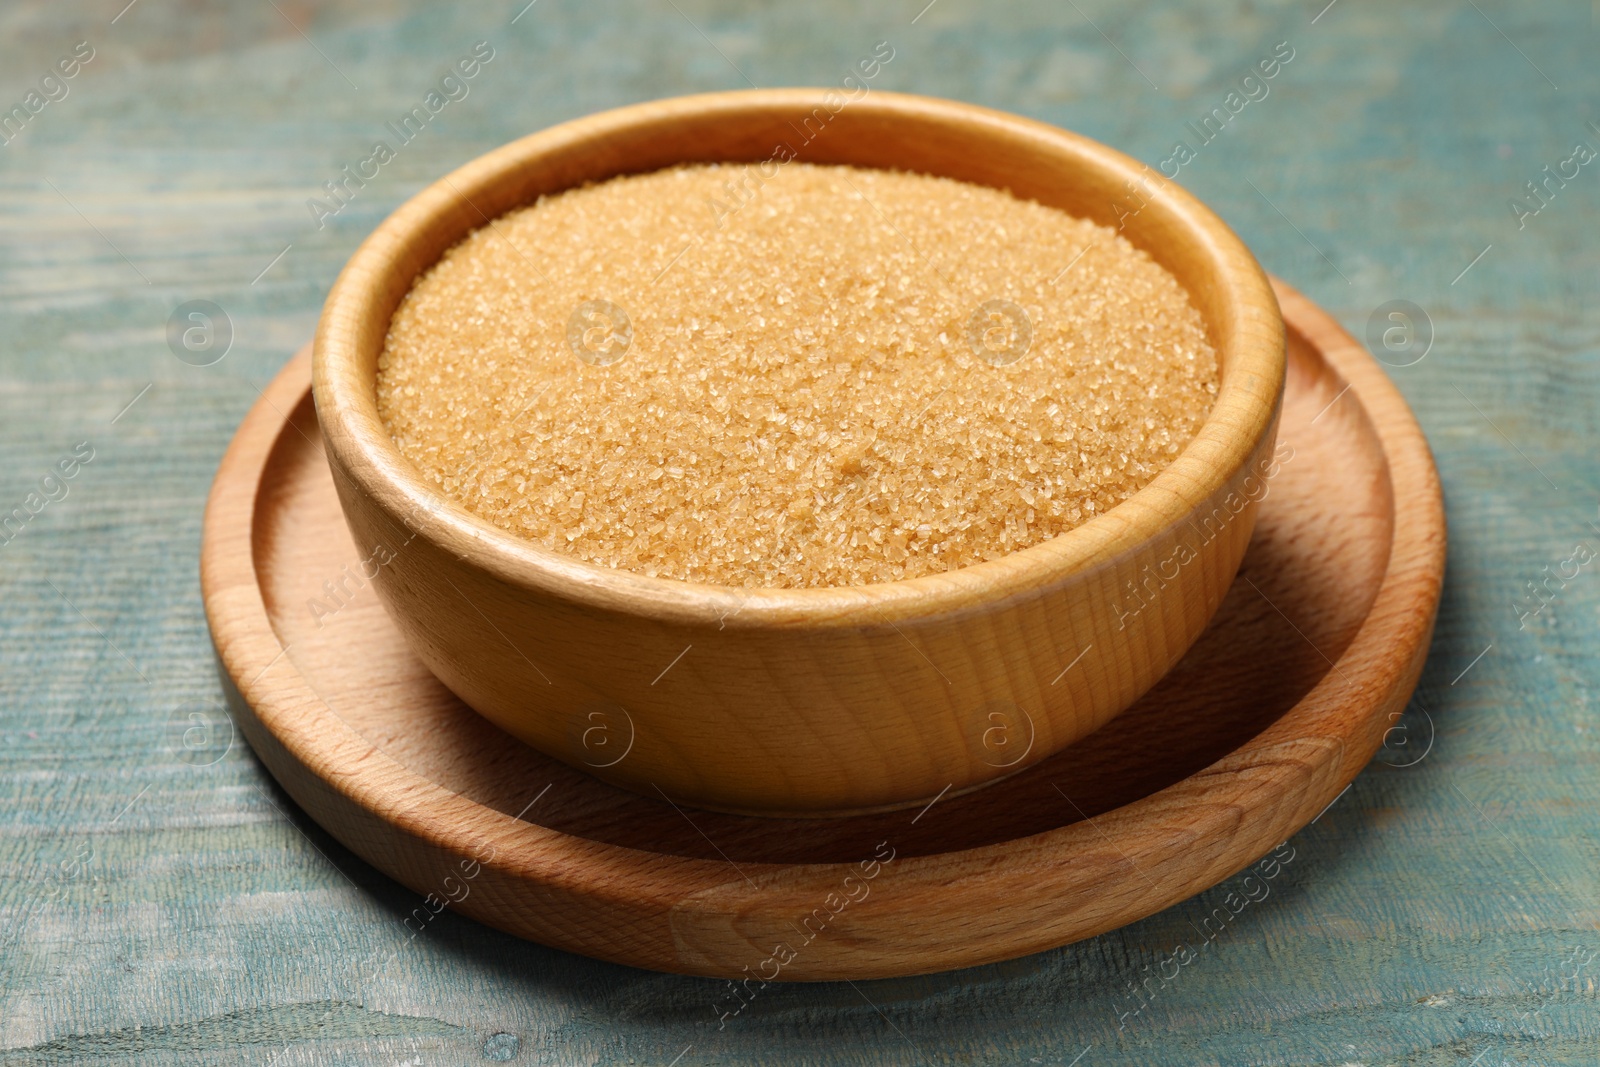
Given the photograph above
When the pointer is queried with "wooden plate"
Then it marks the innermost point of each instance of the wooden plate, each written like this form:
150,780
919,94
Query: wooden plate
1310,660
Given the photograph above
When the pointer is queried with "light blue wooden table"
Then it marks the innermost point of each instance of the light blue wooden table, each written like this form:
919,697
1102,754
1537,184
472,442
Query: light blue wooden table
161,902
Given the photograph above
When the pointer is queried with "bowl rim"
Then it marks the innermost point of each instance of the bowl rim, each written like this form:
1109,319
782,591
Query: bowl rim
1244,411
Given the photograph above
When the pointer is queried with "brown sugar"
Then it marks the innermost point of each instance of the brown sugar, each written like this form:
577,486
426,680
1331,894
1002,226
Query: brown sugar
819,376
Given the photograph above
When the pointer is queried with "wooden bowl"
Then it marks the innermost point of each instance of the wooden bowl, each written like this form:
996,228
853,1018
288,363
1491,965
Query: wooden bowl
809,701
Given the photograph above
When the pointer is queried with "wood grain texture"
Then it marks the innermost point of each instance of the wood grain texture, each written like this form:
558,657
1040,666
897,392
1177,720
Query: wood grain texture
375,749
809,701
1426,917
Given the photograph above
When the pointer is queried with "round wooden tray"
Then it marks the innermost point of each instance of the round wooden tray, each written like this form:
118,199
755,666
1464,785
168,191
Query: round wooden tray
1311,658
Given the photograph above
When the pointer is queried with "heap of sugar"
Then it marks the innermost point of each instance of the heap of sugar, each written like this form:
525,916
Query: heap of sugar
816,377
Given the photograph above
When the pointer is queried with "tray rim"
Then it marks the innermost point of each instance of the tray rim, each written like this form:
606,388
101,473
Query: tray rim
1180,840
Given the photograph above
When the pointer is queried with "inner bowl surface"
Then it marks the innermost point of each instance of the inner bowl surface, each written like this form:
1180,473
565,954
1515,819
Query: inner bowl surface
792,701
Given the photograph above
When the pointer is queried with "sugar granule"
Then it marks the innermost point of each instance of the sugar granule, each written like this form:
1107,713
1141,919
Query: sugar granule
832,376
